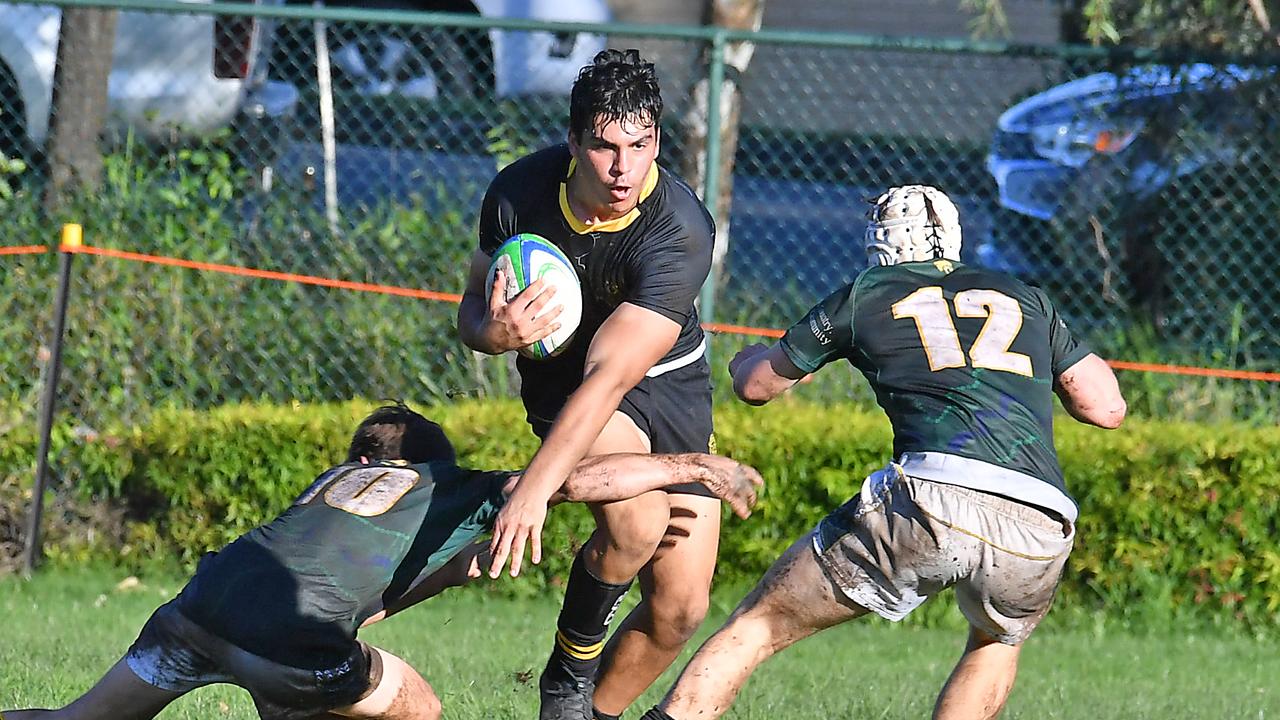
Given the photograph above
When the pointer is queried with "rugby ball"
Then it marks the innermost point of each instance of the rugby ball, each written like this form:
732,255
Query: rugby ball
525,258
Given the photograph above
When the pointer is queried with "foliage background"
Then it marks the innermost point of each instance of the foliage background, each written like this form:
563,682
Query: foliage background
193,405
1177,519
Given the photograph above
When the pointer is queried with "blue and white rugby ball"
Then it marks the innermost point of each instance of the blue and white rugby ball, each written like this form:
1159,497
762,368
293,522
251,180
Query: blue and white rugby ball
527,257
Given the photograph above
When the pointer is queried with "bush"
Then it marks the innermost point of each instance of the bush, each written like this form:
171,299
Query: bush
1176,518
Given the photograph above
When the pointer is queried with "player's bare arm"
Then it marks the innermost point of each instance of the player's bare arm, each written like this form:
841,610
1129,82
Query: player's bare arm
603,479
619,476
495,326
1090,393
762,372
630,342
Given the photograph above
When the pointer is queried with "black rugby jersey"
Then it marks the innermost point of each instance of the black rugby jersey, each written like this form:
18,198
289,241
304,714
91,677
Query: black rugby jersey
962,359
296,589
656,257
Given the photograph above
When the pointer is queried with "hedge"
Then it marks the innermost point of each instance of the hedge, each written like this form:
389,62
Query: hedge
1176,516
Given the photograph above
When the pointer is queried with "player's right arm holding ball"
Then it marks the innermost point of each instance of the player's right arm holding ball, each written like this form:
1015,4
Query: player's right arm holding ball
496,326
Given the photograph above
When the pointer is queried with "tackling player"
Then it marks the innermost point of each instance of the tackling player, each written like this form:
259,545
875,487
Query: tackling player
634,378
964,362
276,612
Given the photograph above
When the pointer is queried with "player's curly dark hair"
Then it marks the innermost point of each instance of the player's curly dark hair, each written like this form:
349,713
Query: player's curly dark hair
617,86
395,432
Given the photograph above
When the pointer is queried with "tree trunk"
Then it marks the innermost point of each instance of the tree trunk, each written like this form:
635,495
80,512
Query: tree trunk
737,15
85,44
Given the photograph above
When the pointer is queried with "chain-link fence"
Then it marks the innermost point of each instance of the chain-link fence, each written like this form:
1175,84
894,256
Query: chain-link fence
353,145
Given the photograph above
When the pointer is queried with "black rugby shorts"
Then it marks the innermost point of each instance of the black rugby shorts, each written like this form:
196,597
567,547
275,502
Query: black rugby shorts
174,653
673,409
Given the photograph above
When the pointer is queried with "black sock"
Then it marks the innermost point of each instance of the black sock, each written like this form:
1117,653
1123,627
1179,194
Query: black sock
589,605
656,714
594,711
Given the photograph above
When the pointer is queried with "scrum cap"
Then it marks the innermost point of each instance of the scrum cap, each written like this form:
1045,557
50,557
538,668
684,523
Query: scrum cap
912,223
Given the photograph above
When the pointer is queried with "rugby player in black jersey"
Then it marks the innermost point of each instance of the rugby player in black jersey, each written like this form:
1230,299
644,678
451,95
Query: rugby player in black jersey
634,378
276,612
964,362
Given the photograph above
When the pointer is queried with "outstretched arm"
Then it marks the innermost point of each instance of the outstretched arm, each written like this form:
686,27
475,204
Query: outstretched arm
602,479
606,478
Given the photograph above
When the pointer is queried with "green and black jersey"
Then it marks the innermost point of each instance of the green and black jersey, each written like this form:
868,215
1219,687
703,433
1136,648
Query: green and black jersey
963,361
354,542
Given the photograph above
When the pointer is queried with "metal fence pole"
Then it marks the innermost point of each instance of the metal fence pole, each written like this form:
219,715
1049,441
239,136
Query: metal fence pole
710,196
72,236
324,81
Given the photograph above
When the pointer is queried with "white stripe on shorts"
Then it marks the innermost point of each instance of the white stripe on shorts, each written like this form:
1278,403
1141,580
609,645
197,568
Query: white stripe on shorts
683,360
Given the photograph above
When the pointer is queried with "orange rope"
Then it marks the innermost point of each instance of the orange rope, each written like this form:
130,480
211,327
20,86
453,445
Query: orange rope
23,250
742,330
455,298
1203,372
264,274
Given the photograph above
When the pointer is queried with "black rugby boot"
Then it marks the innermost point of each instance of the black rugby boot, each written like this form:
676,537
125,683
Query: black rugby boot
565,693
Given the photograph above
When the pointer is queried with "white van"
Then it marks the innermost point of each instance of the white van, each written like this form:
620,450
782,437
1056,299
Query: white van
170,73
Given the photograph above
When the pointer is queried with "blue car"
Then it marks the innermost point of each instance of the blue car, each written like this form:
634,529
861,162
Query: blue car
1111,137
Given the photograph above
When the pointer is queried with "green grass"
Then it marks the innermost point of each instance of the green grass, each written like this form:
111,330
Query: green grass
64,628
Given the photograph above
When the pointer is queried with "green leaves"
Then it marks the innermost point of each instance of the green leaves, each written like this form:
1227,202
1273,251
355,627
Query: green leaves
1099,21
10,169
1216,25
1170,511
1177,519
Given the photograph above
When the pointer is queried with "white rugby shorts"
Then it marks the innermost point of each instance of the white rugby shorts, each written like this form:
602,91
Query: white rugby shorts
902,540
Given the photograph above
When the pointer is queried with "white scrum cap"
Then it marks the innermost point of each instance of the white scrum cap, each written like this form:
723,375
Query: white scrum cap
912,223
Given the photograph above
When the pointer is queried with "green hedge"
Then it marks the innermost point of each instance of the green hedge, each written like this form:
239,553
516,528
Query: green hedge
1177,517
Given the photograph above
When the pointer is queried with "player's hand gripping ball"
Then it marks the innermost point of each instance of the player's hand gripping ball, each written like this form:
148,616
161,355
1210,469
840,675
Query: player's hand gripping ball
525,258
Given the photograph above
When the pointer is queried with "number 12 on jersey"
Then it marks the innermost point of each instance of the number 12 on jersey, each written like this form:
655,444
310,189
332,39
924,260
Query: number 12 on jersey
928,308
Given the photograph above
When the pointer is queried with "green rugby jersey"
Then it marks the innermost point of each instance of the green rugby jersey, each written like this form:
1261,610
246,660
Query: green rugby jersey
355,541
962,360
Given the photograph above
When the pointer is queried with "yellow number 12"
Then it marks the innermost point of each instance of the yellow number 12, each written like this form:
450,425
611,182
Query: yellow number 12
928,308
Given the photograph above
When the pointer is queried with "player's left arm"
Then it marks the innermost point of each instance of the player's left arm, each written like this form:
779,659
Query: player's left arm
631,341
462,569
1083,381
1090,393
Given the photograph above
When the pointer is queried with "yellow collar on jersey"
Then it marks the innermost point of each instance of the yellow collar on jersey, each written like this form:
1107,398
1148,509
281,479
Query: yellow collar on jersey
614,225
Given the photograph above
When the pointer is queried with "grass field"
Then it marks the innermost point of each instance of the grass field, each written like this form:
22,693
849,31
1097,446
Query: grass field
62,629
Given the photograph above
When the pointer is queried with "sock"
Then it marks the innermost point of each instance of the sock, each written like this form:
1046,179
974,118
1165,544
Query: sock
656,714
589,605
595,712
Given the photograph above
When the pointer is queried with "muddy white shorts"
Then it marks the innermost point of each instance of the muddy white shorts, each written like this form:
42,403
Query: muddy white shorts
902,540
